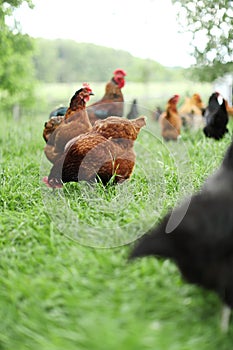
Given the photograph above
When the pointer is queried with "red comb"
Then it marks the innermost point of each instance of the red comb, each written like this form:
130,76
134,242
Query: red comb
119,71
174,98
87,86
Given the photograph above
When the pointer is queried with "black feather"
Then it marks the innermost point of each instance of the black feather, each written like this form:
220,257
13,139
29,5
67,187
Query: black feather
60,111
133,113
101,113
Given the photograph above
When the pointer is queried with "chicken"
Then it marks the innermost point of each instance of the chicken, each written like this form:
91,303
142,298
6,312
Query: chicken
216,117
157,113
170,120
198,236
50,126
112,103
105,153
58,112
229,108
133,113
191,112
55,118
76,122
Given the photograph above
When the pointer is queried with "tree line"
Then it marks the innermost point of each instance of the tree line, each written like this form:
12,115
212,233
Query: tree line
16,65
64,61
24,61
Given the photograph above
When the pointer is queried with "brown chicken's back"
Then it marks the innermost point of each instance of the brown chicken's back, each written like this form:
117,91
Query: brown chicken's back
104,152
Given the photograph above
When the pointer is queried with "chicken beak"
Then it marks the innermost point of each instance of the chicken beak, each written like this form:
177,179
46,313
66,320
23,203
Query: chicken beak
91,93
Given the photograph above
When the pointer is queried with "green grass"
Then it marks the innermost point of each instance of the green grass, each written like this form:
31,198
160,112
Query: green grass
65,281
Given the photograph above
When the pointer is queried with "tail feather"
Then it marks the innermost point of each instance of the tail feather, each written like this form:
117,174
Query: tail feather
101,113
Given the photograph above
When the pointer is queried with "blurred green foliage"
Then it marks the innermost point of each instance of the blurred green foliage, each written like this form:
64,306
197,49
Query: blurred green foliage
211,25
16,67
63,61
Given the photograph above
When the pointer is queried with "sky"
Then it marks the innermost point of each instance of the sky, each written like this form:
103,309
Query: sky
145,28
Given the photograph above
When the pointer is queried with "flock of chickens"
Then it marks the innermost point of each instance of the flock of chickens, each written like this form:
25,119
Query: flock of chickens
96,143
93,143
192,115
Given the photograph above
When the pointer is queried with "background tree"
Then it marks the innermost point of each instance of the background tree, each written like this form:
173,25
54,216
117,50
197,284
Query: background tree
67,61
16,49
211,25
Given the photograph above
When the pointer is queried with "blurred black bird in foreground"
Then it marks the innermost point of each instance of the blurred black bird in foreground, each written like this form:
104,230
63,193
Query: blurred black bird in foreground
216,117
198,236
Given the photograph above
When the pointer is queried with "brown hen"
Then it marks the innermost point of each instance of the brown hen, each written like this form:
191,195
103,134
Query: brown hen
76,122
170,120
229,108
50,126
191,112
105,153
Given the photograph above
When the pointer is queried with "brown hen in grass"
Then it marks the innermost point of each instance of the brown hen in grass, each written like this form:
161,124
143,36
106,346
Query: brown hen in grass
104,153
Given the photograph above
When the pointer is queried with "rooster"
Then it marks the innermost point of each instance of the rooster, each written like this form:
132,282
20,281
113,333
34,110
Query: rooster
198,236
170,120
105,153
191,112
216,117
76,122
112,103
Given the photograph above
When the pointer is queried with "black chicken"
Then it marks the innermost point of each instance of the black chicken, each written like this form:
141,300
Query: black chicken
58,112
157,113
133,113
198,236
216,117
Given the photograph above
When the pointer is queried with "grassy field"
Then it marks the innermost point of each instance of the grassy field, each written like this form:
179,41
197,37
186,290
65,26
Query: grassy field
65,280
